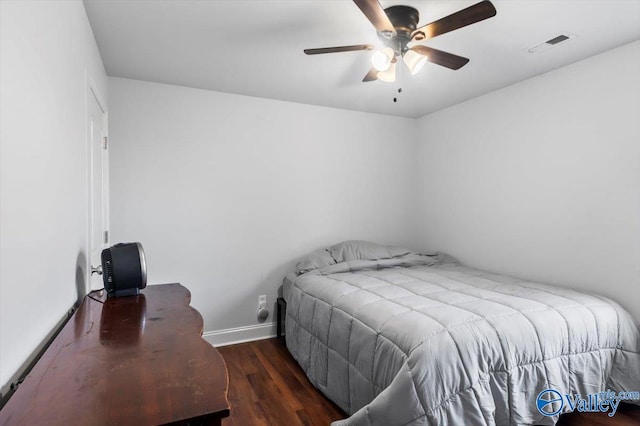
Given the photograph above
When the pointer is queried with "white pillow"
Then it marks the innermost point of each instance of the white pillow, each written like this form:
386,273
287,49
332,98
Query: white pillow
316,259
364,250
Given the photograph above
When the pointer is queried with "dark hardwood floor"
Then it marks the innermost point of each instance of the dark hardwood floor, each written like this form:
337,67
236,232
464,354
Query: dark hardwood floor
627,415
267,387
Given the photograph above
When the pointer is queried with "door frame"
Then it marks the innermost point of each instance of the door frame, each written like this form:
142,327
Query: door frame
93,93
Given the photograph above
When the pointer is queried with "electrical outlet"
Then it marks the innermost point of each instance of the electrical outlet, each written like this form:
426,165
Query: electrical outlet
262,301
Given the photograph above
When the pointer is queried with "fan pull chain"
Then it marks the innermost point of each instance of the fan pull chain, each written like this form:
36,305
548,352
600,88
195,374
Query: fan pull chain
399,73
395,99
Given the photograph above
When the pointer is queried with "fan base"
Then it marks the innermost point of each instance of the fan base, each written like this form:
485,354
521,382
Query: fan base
405,21
404,18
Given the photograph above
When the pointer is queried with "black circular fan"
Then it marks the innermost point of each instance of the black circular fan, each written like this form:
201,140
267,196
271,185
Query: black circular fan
124,269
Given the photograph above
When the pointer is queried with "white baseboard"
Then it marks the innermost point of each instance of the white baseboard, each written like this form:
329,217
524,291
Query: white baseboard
232,336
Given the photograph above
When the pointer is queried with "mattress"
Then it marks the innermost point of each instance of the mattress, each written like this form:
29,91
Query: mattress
425,340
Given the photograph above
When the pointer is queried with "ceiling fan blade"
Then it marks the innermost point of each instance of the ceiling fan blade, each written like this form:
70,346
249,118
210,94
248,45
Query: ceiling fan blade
377,16
338,49
371,75
439,57
470,15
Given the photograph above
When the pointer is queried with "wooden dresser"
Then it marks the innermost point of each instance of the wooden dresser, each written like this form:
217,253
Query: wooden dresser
137,360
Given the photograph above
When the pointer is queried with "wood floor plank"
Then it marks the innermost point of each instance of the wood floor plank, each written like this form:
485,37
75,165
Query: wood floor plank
307,394
627,415
241,394
275,357
267,387
279,375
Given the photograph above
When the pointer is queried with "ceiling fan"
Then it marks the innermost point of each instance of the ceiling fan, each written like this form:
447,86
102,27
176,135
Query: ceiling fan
397,26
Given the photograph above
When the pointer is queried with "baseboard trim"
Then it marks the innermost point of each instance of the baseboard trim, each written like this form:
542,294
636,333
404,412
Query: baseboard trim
231,336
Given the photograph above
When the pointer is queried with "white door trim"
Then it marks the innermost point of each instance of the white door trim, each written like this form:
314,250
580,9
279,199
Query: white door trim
93,93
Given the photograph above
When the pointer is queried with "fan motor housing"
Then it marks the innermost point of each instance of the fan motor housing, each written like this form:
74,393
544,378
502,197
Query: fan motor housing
124,269
405,21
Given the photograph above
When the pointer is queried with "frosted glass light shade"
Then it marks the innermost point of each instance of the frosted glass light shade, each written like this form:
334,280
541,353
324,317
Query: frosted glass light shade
388,75
381,59
414,61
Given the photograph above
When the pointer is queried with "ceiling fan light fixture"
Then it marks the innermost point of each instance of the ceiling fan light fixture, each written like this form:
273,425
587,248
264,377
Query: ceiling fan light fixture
381,59
397,26
388,75
414,61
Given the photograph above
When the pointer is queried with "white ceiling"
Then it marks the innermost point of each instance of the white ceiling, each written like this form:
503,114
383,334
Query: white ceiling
255,47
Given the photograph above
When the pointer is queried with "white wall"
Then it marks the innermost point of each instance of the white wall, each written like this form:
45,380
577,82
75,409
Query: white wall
46,52
541,179
226,192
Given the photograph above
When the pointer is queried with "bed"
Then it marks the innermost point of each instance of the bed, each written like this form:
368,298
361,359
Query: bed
398,338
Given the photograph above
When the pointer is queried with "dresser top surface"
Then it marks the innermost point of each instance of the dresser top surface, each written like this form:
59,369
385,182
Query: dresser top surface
126,360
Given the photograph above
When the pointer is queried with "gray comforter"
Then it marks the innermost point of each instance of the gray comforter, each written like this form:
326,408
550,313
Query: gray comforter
423,340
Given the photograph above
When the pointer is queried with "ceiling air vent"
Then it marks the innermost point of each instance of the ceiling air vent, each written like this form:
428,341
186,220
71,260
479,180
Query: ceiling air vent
552,42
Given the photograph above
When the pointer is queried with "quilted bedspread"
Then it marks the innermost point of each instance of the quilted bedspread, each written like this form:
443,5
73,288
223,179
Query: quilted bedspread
422,340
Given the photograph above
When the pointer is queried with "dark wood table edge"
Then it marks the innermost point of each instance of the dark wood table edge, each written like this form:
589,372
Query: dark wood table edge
210,418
